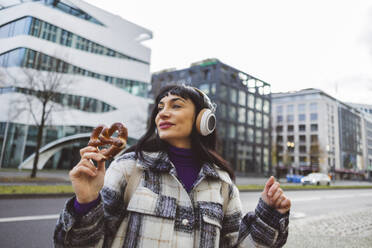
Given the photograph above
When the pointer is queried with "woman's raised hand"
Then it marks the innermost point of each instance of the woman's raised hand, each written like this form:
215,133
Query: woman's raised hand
87,179
273,196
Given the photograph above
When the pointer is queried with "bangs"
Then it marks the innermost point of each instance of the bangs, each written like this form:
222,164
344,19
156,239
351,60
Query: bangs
182,91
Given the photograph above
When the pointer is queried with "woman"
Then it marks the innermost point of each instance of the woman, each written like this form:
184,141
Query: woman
185,198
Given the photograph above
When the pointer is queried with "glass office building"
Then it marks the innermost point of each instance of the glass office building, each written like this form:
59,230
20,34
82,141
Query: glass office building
243,111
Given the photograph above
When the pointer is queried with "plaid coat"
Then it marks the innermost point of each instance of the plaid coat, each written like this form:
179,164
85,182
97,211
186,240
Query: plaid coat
161,213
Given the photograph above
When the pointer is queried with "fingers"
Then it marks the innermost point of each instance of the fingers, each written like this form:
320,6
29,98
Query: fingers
274,187
88,149
93,155
83,167
269,182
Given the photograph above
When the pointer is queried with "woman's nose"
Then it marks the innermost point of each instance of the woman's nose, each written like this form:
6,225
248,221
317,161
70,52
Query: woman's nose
164,113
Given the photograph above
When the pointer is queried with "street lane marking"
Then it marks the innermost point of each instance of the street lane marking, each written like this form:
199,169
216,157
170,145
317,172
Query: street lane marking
25,218
297,215
304,199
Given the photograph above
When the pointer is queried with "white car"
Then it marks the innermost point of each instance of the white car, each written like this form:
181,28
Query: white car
316,179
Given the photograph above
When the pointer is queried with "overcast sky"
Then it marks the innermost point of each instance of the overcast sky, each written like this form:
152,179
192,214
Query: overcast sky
290,44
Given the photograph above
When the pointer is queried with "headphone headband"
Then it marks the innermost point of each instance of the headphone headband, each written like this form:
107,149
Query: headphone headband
207,100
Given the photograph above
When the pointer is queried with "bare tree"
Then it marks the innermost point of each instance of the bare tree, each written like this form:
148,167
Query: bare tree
41,92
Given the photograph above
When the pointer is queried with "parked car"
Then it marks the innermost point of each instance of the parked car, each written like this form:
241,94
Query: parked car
316,179
291,178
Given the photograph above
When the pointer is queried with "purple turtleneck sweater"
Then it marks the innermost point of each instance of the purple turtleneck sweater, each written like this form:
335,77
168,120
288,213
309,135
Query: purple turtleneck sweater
187,167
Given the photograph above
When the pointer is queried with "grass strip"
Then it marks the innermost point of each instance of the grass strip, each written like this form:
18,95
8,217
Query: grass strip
307,187
35,189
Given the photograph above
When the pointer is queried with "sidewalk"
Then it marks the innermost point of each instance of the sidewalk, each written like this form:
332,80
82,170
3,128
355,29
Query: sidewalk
61,177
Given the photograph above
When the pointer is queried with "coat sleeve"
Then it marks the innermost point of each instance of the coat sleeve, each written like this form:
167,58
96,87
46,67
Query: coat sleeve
97,228
265,227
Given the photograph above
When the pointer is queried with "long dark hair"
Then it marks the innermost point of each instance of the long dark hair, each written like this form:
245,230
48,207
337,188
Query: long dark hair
203,146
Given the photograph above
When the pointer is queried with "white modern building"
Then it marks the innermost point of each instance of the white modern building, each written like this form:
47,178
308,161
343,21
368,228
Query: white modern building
312,131
366,111
99,54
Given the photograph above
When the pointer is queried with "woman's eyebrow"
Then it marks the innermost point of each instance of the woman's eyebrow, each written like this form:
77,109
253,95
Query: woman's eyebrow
173,100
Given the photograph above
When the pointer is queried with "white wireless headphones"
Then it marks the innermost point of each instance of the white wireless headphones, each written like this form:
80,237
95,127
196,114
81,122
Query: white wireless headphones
206,119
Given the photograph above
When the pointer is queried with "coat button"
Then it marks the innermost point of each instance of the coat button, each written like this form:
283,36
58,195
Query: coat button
185,222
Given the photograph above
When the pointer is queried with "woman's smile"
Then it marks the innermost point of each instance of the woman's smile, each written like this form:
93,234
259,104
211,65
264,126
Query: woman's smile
165,125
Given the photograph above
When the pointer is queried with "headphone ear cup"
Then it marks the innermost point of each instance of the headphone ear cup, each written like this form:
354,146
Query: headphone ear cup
205,122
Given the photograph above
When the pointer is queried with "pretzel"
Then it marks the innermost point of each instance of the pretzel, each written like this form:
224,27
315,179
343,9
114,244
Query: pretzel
101,136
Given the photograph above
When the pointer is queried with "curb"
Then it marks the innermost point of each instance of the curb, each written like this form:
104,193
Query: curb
28,196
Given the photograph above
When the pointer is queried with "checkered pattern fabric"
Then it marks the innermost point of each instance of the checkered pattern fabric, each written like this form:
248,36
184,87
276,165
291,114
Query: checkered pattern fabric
161,213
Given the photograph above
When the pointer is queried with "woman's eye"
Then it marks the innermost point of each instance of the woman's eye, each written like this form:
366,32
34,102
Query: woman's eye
176,106
160,108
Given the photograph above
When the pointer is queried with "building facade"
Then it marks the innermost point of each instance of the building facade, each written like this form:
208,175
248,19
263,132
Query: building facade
366,111
312,131
243,111
100,56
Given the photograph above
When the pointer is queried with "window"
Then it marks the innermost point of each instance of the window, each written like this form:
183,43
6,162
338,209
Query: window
222,108
279,129
301,107
258,119
290,118
241,132
279,118
290,128
279,148
266,106
313,107
302,149
250,135
251,101
279,109
290,108
290,138
314,127
302,159
302,138
241,97
250,117
314,138
314,117
233,95
241,115
302,128
204,88
301,117
232,112
232,131
279,139
223,92
259,103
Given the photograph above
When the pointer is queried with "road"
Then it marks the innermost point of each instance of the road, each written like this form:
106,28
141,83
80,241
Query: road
316,218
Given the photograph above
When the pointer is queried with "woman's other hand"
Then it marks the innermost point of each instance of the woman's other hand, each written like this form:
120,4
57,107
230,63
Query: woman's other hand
87,179
274,197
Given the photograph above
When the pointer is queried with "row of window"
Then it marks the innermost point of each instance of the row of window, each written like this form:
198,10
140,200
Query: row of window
301,117
243,98
243,133
243,115
44,30
303,160
300,139
73,101
301,128
29,58
313,149
313,107
72,10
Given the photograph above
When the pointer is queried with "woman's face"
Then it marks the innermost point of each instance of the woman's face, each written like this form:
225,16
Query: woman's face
175,120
